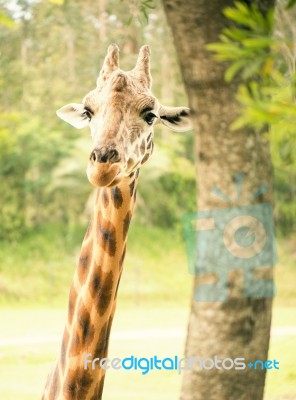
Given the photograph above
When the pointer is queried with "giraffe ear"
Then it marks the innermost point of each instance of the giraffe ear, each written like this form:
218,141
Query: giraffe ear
176,118
75,114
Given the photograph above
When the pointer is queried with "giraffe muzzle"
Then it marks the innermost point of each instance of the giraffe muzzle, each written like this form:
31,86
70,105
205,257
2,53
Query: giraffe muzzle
104,165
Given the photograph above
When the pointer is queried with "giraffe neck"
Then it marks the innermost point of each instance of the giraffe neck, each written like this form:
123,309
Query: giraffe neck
92,296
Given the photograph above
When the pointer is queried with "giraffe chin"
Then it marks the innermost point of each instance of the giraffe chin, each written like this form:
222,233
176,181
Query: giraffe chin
102,175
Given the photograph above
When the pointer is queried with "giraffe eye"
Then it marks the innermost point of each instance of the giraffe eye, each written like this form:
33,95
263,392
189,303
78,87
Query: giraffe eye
149,118
87,114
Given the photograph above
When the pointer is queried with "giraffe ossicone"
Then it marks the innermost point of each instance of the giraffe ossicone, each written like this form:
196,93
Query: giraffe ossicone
121,113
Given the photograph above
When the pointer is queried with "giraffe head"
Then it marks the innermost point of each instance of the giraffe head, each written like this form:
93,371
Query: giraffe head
121,113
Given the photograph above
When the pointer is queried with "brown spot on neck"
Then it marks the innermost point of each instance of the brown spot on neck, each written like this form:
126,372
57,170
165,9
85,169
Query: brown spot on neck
106,235
126,223
85,325
101,289
132,187
117,197
83,332
84,263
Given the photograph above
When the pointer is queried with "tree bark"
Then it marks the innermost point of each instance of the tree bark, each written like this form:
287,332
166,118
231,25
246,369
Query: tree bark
239,326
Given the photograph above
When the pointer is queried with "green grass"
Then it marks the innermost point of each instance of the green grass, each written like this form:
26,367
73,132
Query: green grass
155,292
39,269
285,272
24,367
283,382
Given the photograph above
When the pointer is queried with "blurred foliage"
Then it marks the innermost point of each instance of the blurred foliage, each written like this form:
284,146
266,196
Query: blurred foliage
139,9
6,21
24,169
172,177
51,53
261,51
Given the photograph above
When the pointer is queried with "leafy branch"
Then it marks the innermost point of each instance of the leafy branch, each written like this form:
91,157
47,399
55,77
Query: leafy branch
262,56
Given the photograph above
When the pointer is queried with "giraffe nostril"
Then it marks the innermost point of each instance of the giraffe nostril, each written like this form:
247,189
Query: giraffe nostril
93,156
103,158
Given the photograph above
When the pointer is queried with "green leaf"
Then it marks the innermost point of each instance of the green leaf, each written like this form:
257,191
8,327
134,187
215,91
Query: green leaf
257,43
233,69
224,51
236,33
236,16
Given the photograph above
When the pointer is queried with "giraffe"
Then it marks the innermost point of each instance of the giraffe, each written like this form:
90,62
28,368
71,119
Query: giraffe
121,113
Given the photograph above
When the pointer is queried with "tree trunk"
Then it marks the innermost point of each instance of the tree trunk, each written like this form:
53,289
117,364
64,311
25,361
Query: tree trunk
240,325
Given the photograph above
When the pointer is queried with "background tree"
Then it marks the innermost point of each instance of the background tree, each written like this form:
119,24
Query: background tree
239,326
262,53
